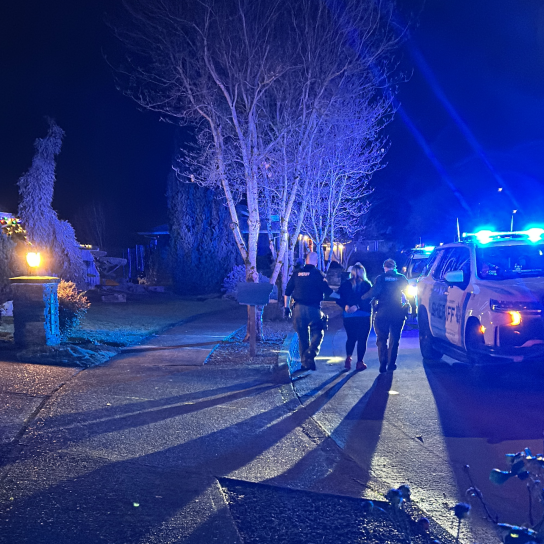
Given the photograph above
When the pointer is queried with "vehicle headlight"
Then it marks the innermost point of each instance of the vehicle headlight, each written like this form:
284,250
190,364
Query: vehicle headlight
515,306
411,291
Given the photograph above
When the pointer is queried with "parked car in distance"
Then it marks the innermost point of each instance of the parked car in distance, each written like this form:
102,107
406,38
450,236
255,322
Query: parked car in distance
413,268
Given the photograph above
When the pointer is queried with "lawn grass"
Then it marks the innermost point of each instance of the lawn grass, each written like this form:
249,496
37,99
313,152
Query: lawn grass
128,323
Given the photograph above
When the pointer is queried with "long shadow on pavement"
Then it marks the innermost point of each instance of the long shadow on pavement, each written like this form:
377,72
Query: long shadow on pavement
484,414
100,504
100,414
358,435
61,437
505,403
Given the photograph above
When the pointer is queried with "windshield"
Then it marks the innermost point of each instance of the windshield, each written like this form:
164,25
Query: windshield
505,262
416,267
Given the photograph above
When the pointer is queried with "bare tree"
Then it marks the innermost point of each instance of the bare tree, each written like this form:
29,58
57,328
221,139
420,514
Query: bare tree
350,151
258,80
91,223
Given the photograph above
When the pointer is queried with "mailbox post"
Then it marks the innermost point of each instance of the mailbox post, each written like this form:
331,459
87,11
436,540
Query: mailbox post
253,294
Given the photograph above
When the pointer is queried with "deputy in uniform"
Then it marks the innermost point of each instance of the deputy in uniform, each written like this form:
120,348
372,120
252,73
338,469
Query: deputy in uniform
390,312
308,286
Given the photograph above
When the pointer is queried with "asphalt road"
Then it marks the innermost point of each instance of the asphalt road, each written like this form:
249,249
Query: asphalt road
423,423
131,451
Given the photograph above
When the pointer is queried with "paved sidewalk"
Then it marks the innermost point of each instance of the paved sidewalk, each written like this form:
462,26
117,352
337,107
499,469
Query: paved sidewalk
131,452
25,388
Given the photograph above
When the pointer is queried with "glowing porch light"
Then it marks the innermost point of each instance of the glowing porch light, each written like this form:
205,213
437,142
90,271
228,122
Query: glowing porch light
33,259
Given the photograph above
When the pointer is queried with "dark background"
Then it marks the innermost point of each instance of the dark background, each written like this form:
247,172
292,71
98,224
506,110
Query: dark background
487,58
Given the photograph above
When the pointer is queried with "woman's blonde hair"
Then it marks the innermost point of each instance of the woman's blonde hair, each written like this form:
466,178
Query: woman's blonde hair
358,274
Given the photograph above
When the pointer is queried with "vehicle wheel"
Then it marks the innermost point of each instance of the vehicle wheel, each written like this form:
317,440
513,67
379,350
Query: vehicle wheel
426,338
474,342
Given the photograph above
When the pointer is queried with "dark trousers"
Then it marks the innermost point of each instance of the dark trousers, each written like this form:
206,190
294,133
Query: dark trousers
388,325
307,321
357,329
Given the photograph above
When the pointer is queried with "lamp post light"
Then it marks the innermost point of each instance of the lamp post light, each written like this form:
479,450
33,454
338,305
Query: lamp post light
33,260
35,307
512,221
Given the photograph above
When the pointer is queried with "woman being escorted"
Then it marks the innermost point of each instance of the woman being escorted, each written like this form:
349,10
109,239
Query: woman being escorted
357,314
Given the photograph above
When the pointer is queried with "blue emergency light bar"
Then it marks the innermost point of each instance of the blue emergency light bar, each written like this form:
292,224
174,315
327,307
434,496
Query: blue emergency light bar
486,236
423,249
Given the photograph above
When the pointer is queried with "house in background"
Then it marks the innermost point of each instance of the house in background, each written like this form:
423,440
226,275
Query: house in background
143,260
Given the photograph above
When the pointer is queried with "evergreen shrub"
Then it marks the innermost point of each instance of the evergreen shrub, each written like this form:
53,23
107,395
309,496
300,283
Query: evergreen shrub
73,306
47,233
202,246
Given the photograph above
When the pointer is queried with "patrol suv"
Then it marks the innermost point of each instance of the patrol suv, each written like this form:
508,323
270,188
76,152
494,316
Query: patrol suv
417,260
483,298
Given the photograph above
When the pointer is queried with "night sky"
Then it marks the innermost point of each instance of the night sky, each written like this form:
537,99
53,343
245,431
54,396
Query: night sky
487,58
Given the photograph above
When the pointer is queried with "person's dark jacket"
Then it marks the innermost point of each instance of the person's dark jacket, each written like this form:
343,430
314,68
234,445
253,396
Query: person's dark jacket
308,286
351,296
388,290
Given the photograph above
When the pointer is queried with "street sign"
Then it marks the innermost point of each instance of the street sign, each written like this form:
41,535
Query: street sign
254,294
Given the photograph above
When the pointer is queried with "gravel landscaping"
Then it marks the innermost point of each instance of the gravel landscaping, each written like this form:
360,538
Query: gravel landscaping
234,351
267,514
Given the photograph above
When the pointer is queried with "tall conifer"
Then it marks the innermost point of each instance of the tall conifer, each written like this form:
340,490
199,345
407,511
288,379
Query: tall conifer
44,230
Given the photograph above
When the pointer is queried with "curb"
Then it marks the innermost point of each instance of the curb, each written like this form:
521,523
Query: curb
226,338
288,358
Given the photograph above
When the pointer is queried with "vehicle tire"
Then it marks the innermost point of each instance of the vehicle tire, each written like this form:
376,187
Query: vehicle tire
474,342
426,339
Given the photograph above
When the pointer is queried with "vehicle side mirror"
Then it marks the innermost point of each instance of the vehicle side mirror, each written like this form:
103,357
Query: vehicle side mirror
455,276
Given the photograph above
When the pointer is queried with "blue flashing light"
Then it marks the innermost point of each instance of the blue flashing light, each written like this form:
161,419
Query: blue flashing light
484,236
535,234
419,250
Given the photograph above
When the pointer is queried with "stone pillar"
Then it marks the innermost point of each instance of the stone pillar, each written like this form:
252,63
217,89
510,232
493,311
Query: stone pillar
35,311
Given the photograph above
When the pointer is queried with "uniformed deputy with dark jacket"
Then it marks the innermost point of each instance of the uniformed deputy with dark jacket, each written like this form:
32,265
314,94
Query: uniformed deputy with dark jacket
389,313
308,286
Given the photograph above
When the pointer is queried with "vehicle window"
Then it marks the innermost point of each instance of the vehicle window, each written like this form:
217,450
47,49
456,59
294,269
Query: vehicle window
418,267
506,262
457,258
441,259
428,263
463,261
